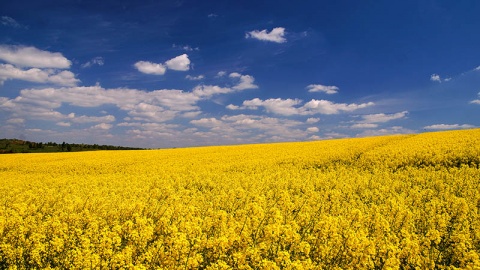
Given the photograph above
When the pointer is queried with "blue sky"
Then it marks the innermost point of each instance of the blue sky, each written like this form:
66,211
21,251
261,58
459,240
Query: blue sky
187,73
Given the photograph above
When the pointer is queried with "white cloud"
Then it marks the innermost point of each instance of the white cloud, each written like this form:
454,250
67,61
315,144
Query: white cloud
9,21
245,81
435,78
328,107
194,78
99,61
364,125
154,106
191,114
385,131
207,122
221,73
382,118
32,57
290,106
322,88
91,119
210,90
150,68
233,107
477,68
313,130
476,101
276,35
151,113
312,120
187,48
64,124
103,126
179,63
10,72
65,78
16,121
275,105
447,126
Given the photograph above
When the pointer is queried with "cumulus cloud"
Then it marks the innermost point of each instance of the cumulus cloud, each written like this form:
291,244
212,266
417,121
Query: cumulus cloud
290,106
476,101
245,81
150,68
91,119
328,107
180,63
194,78
447,126
103,126
313,130
312,120
322,88
210,90
154,106
207,122
96,61
435,78
275,105
276,35
32,57
64,78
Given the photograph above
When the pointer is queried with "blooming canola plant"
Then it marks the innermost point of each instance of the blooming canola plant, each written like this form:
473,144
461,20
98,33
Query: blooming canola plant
401,201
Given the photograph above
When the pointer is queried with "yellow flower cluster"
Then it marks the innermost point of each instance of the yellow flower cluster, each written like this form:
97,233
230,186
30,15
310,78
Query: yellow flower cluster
404,201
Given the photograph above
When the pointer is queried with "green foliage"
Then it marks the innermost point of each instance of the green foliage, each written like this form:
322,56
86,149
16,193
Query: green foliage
9,146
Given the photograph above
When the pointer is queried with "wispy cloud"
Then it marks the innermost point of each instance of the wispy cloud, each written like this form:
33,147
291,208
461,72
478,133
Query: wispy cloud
11,22
322,88
447,126
194,78
276,35
437,78
96,61
187,48
382,117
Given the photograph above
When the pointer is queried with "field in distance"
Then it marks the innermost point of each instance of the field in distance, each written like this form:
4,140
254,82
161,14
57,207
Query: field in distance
402,201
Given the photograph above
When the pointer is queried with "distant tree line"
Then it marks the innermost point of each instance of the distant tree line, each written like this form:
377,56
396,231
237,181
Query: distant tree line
22,146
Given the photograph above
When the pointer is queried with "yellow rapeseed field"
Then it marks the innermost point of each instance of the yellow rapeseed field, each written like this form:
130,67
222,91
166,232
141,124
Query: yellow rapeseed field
392,202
